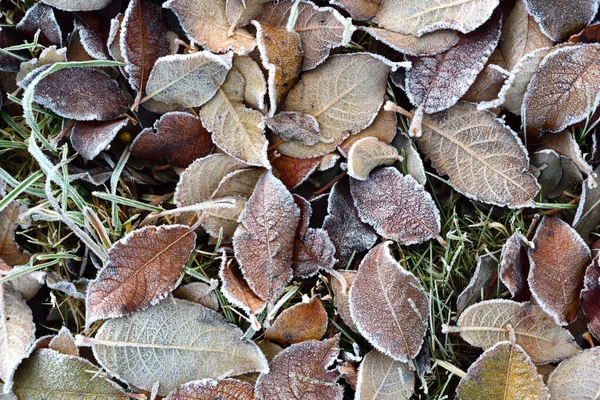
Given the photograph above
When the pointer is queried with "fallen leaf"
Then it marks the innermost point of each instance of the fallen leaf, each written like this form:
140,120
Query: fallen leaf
292,125
77,5
564,143
558,261
587,216
49,55
367,154
504,371
113,42
8,38
142,268
188,80
236,289
383,128
256,85
221,222
89,138
222,389
76,289
560,19
590,296
549,170
483,282
411,159
64,343
205,22
388,305
564,89
396,206
570,179
360,10
382,378
301,371
294,171
514,265
241,12
28,284
313,251
589,34
341,293
240,183
487,85
198,292
427,45
576,377
416,17
299,323
42,17
10,252
91,29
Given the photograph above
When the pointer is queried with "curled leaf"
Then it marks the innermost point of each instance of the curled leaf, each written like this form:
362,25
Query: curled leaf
78,5
341,299
514,265
236,289
360,10
199,292
382,128
256,85
299,323
10,253
367,154
482,283
42,17
590,296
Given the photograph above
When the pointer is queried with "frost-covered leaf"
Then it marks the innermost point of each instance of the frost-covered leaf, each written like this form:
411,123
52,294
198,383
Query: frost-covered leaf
292,125
341,292
382,378
81,94
239,183
560,19
76,289
221,222
547,170
564,143
64,342
8,38
504,371
487,85
482,283
396,206
590,296
27,284
417,17
301,322
49,55
558,261
189,80
294,171
465,143
301,372
179,137
237,129
47,374
320,28
514,265
223,389
313,251
587,216
264,242
89,138
486,323
236,289
578,377
113,41
367,154
344,95
256,85
91,28
142,268
10,253
564,89
198,292
176,333
78,5
42,17
241,12
205,22
388,305
411,157
360,10
383,128
427,45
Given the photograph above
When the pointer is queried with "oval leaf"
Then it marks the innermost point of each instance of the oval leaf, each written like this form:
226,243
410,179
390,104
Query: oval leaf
382,378
577,377
299,323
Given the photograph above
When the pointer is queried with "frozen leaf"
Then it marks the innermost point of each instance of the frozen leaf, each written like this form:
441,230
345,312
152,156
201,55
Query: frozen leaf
587,217
221,222
49,55
292,125
482,283
10,252
558,261
562,18
514,265
17,330
382,378
143,40
189,80
64,343
256,85
590,297
75,289
427,45
410,158
281,55
313,251
521,35
239,183
236,289
341,293
237,129
320,28
91,29
264,242
223,389
486,323
360,10
367,154
142,268
589,34
28,284
344,95
344,226
89,138
418,17
294,171
299,323
81,94
179,137
198,292
487,85
504,371
571,177
113,42
47,374
396,206
205,22
578,377
78,5
241,12
564,89
41,16
388,305
176,333
8,38
302,372
565,144
465,143
548,170
383,128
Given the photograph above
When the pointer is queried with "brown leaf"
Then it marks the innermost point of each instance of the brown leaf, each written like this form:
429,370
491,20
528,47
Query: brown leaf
547,169
383,378
564,143
514,265
256,84
180,137
241,12
10,252
81,94
427,45
412,160
292,125
221,222
299,323
113,42
487,85
89,138
42,17
301,372
388,305
587,216
142,268
78,5
264,242
92,29
558,262
367,154
64,343
238,183
341,293
360,10
8,38
396,206
236,289
590,296
383,128
483,283
590,34
28,284
223,389
560,19
198,292
294,171
554,97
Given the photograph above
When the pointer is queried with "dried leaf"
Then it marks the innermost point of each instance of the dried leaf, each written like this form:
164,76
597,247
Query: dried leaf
341,299
78,5
313,251
236,129
560,19
587,217
188,80
64,343
558,261
383,128
223,389
49,55
383,378
294,171
256,85
590,34
360,10
198,292
263,243
299,323
504,371
427,45
236,289
411,158
28,284
292,125
320,28
8,38
571,177
221,222
10,252
416,17
180,137
367,154
482,283
487,85
301,372
577,377
396,206
388,305
42,17
113,42
564,143
241,12
91,29
76,289
142,268
590,296
514,265
465,143
547,170
176,333
89,138
205,22
564,89
239,183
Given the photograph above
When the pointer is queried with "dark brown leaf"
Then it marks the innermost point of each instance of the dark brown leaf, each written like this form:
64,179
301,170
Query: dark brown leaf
560,19
236,289
294,171
484,282
208,389
590,296
89,138
291,125
514,265
10,252
41,16
299,323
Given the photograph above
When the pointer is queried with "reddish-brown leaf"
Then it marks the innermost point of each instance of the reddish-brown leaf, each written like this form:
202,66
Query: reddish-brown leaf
89,138
41,17
514,266
590,296
10,252
299,323
209,389
236,289
341,293
294,171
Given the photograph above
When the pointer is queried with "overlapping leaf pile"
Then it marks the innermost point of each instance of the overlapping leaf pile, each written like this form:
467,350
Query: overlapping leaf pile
253,153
